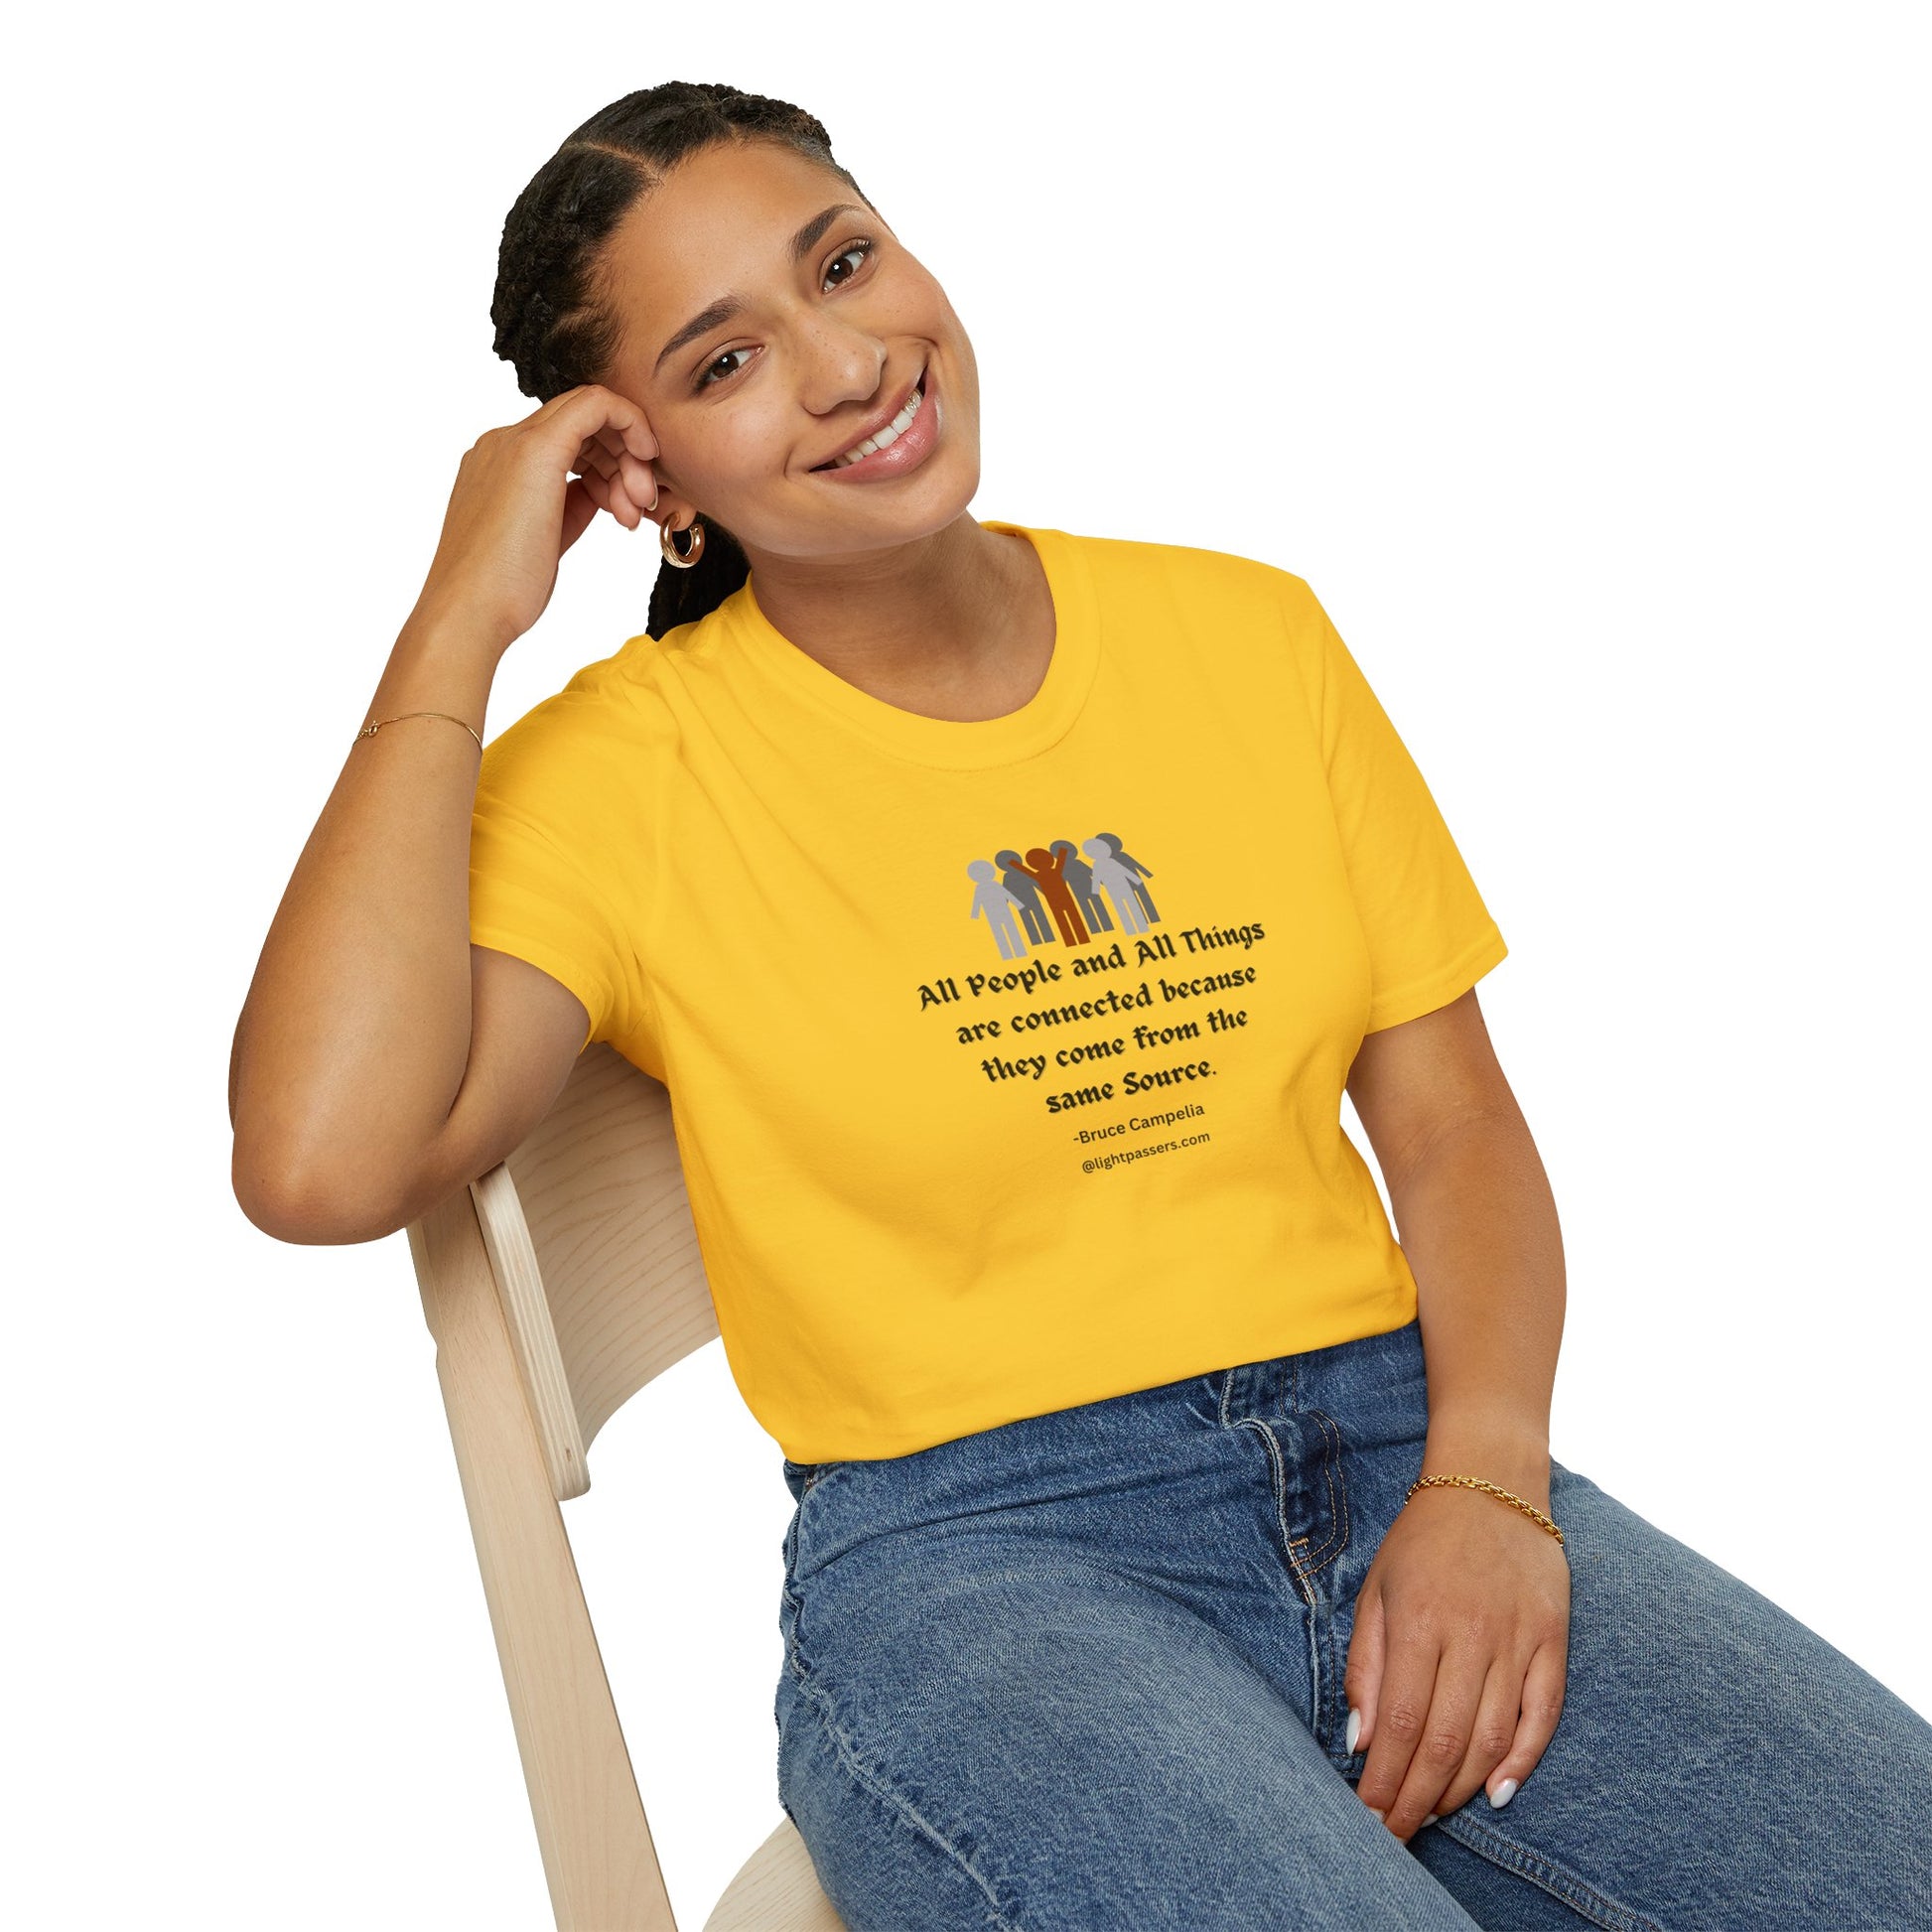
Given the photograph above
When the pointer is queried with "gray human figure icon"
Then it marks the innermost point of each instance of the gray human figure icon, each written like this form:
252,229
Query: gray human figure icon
1079,882
998,904
1025,890
1120,884
1140,872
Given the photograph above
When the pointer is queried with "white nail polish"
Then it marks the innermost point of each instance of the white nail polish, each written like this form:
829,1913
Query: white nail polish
1355,1730
1432,1818
1378,1816
1502,1794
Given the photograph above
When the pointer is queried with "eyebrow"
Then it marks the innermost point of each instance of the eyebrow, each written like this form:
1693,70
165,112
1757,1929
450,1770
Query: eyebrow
728,305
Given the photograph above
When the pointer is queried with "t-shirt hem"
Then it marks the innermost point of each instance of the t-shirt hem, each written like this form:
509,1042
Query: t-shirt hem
590,992
1385,1313
1450,983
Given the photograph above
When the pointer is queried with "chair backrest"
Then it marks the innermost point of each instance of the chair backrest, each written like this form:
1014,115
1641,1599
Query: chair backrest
556,1286
588,1231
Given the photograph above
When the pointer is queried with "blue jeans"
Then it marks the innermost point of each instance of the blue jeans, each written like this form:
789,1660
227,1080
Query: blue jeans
1085,1670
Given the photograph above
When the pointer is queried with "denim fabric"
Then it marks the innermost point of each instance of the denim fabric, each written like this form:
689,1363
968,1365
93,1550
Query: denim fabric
1085,1670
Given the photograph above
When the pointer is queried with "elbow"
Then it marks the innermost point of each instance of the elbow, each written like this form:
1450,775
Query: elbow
308,1205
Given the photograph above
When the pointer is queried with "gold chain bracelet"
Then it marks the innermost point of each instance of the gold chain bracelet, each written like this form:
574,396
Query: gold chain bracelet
1477,1483
369,731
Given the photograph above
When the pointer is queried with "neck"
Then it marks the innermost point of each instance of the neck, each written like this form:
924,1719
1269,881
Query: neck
934,615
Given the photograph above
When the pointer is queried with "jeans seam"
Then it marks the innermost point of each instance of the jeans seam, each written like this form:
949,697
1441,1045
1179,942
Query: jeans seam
793,1662
877,1785
792,1604
1513,1856
1338,1496
1277,1465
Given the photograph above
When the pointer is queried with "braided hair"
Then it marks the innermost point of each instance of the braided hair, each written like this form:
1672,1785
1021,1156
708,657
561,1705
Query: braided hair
552,316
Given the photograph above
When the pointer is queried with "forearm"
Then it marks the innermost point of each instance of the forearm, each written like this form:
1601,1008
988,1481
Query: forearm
355,1031
1478,1223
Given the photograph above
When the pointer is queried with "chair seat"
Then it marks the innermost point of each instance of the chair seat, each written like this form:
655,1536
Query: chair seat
775,1890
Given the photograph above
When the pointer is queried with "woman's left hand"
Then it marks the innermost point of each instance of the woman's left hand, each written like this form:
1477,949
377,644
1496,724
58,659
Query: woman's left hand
1458,1656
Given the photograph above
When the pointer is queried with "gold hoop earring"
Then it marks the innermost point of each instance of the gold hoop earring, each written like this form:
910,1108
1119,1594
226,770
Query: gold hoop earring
667,542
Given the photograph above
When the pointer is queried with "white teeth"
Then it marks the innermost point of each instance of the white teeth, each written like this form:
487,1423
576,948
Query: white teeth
888,435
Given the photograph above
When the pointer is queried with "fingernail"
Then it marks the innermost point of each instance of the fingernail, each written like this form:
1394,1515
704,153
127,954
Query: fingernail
1432,1818
1378,1816
1355,1730
1502,1794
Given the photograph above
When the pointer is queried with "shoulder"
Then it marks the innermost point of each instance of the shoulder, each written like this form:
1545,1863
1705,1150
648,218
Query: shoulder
607,705
1244,613
1202,578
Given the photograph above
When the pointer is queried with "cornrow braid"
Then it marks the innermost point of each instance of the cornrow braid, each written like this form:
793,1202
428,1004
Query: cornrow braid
552,316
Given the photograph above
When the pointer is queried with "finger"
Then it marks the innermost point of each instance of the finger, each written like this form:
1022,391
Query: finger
608,438
608,451
1492,1733
629,421
590,409
594,456
610,496
1402,1702
636,490
619,500
1444,1740
596,487
639,480
1362,1676
1542,1693
579,509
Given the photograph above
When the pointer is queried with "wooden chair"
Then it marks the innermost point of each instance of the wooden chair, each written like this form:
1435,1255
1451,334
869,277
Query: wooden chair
556,1286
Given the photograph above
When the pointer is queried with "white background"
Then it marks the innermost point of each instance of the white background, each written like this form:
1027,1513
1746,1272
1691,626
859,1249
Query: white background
1576,359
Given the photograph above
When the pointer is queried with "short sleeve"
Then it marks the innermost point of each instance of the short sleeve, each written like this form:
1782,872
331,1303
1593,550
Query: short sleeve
535,853
1430,935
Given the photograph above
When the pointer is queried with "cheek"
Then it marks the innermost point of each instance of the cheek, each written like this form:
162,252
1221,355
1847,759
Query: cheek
735,451
946,326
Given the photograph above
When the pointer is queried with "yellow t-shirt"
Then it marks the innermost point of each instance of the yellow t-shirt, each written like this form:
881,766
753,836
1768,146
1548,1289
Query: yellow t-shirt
1006,1057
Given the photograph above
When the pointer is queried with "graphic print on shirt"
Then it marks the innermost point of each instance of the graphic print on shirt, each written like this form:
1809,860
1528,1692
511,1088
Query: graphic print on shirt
1061,880
1077,1050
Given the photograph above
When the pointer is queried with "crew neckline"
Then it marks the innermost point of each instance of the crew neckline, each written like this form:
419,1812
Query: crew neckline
957,744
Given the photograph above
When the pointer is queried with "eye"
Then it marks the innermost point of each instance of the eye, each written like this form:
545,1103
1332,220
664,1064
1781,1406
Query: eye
722,368
859,248
725,361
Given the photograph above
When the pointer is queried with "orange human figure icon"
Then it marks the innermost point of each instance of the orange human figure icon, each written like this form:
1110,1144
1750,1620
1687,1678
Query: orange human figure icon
1048,871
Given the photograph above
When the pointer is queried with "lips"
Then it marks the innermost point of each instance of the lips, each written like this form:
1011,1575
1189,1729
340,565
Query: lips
873,428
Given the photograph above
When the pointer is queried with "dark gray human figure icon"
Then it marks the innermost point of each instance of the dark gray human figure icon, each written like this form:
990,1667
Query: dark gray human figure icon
1020,882
999,905
1079,882
1045,868
1119,884
1140,872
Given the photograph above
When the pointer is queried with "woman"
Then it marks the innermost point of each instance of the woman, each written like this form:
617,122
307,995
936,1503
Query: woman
1005,912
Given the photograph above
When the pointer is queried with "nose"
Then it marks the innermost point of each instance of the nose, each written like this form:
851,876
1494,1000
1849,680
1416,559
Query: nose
839,365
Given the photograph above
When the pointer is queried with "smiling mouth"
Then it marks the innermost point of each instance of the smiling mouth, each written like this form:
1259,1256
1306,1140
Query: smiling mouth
886,438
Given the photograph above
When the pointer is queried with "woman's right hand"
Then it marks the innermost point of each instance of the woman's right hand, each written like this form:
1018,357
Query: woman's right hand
523,495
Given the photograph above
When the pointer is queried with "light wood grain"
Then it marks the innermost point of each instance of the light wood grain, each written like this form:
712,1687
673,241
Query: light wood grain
557,1285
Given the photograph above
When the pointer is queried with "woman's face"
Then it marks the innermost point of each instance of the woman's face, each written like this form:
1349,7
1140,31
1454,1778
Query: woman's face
747,406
